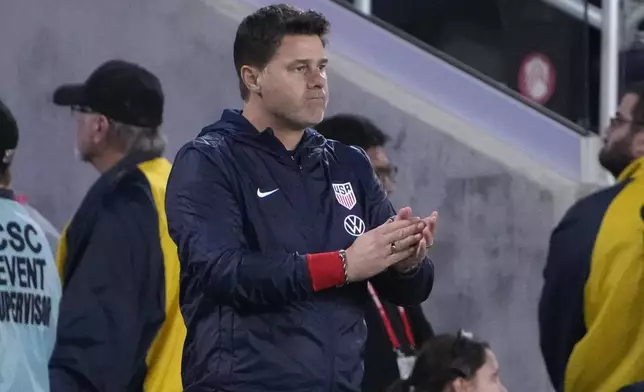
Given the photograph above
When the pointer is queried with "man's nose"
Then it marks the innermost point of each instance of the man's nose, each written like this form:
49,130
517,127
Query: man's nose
318,79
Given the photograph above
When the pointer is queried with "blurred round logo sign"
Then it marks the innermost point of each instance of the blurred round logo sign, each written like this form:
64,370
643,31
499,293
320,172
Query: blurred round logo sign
537,78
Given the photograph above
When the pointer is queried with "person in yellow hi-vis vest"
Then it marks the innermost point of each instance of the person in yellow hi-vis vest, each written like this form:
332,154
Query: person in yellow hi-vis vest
591,312
120,328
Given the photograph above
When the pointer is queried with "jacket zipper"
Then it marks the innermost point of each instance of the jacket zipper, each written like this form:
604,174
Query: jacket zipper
331,370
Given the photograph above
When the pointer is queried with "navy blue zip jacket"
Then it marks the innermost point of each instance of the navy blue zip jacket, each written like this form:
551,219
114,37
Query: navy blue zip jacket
258,229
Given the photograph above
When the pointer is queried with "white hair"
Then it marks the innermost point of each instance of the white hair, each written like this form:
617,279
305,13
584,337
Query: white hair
140,139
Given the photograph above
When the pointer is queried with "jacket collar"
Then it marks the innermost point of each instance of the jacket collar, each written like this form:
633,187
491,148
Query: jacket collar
128,163
634,170
243,131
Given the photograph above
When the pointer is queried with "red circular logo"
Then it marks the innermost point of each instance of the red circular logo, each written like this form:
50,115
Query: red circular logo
537,78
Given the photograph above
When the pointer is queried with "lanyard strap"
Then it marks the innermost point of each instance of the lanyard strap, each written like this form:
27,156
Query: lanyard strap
385,319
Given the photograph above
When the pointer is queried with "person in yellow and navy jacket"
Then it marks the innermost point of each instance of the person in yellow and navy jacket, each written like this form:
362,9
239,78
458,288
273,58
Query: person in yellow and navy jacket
120,328
591,312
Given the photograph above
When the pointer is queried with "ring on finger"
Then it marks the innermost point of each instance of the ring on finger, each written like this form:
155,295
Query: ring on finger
393,247
430,244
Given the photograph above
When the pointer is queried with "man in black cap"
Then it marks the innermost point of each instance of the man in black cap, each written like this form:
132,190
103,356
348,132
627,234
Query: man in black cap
29,285
120,328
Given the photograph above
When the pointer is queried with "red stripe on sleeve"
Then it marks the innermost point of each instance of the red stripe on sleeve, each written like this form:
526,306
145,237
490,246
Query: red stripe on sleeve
326,270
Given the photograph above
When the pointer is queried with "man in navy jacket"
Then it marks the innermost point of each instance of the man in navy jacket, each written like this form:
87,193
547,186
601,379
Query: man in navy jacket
279,230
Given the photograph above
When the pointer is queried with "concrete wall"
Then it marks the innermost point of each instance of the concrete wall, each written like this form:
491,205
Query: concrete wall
494,222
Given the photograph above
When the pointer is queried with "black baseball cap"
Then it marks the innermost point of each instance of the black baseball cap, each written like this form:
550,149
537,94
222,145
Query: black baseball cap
8,136
120,90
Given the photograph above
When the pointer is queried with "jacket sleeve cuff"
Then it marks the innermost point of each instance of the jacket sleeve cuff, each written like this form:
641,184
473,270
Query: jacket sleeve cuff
410,274
326,270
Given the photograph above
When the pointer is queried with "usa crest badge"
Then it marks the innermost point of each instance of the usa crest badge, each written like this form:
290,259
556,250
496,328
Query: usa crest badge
344,195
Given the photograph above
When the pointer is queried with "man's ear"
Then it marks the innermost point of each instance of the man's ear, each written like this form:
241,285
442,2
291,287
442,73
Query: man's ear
101,127
637,146
251,77
460,385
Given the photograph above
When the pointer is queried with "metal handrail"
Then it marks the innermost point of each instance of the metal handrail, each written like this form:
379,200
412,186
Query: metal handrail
363,6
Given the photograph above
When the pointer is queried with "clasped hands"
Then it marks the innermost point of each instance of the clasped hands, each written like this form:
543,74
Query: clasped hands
401,243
